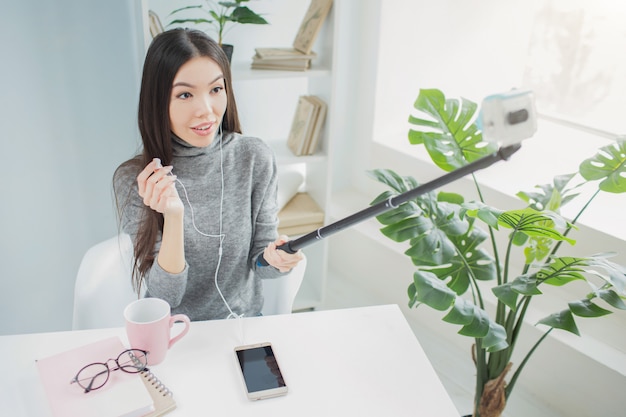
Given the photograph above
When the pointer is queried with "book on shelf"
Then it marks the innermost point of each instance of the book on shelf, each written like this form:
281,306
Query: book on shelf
301,126
282,54
306,126
300,215
281,59
320,116
124,394
280,65
299,56
311,25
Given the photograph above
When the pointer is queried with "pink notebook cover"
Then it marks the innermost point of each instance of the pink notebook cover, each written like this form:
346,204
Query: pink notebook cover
123,395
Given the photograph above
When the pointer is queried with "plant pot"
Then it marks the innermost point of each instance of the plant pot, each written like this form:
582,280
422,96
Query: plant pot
228,50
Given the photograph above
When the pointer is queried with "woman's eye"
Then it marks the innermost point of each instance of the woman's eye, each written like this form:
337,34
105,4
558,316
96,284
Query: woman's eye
184,95
217,89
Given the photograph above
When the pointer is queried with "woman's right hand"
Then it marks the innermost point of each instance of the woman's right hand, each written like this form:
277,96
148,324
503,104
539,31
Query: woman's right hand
158,189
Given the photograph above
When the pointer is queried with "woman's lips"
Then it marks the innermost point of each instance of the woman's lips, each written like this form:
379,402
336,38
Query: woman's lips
203,129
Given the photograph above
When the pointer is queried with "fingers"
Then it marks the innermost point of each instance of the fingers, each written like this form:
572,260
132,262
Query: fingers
282,239
279,259
157,188
143,176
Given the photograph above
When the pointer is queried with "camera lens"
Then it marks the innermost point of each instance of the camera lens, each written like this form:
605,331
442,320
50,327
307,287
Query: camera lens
516,117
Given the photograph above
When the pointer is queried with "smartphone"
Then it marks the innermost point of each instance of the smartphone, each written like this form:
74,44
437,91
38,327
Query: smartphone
260,371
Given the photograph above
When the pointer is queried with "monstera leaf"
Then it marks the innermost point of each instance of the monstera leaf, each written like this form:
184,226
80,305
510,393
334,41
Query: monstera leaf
550,196
608,165
471,261
428,289
447,131
424,221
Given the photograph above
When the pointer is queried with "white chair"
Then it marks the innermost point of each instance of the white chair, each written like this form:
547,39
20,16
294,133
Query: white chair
103,286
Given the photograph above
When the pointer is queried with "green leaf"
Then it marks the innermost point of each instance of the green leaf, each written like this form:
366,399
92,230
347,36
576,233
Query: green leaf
608,165
525,285
487,214
394,216
192,21
520,239
242,14
612,298
534,223
430,248
410,228
479,327
431,291
496,339
426,288
461,313
563,270
535,249
469,262
585,308
616,273
551,196
431,244
452,198
563,320
412,292
185,8
535,230
447,130
392,180
507,295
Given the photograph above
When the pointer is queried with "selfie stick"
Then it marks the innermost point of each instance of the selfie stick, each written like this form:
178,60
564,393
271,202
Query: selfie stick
395,201
509,116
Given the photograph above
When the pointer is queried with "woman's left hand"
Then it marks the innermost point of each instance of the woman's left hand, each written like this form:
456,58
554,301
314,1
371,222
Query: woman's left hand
280,259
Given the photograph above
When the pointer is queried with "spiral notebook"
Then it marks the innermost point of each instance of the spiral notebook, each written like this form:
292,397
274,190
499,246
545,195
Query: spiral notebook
161,396
124,395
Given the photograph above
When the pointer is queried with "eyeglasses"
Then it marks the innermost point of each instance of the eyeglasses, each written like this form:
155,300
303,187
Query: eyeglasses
95,375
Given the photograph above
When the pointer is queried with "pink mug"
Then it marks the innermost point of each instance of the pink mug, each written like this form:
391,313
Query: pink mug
148,327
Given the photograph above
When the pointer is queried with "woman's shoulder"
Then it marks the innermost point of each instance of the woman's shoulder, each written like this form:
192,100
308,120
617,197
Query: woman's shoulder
252,145
126,173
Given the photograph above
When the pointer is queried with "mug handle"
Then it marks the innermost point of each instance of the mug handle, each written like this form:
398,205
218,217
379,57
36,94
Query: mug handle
179,318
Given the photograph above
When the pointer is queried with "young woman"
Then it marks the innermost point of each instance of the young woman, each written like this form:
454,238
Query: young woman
199,202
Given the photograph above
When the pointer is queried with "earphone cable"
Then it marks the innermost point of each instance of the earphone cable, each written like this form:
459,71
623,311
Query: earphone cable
221,235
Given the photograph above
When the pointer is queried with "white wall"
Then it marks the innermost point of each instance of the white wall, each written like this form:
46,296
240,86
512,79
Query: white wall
465,48
69,80
476,48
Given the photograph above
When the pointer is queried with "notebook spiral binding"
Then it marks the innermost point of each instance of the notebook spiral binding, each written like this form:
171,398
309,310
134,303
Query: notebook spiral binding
156,383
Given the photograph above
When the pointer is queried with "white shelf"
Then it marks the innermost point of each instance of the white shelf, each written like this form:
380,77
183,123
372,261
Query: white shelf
248,74
266,102
284,156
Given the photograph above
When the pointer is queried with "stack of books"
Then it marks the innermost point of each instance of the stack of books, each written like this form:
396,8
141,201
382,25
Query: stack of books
299,56
301,215
306,126
289,59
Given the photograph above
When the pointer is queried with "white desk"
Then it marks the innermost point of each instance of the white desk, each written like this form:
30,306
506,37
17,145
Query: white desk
353,362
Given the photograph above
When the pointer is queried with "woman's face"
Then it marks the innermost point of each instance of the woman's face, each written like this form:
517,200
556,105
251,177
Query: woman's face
198,101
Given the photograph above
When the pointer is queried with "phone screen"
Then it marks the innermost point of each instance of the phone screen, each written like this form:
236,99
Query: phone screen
260,370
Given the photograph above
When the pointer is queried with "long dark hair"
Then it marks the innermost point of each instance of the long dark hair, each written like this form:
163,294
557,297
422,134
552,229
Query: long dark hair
167,53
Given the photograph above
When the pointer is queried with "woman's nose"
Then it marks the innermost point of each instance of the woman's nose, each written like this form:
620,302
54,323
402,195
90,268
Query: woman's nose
205,106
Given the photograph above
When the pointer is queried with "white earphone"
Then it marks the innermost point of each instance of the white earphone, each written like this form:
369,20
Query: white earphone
220,235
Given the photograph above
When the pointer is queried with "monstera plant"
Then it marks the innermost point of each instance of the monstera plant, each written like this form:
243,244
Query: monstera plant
452,243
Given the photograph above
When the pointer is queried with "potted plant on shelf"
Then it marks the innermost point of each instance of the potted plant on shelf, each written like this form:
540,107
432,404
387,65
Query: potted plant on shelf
453,270
219,15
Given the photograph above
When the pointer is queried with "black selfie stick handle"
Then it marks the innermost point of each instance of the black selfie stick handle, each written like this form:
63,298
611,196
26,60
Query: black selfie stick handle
393,202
